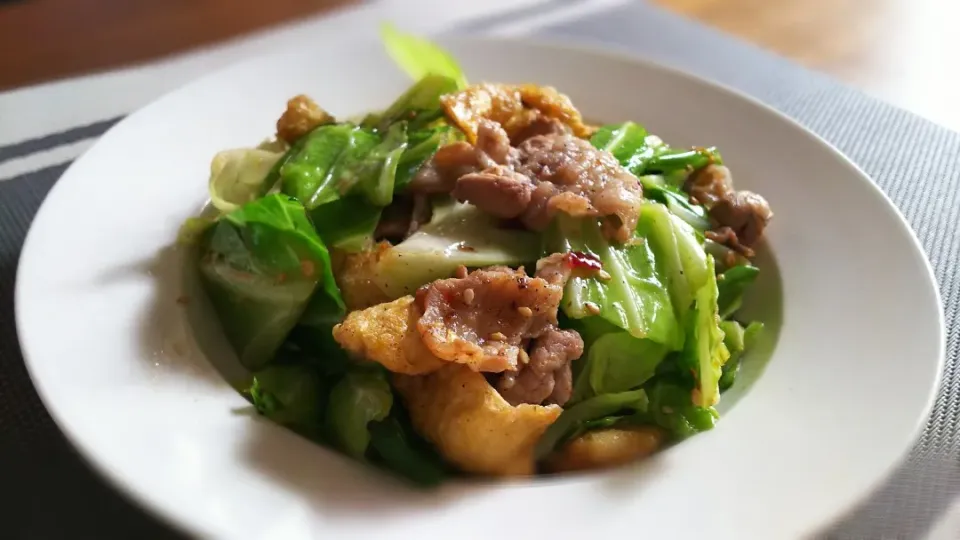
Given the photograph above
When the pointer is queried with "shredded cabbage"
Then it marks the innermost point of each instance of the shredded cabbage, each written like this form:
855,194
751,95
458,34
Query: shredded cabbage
237,176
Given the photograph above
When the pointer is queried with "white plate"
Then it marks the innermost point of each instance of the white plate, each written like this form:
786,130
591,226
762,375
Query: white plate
114,358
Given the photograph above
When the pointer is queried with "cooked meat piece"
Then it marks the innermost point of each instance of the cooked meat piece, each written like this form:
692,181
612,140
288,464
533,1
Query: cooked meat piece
556,173
542,125
580,180
607,448
474,428
558,268
482,319
402,217
728,237
741,216
486,319
513,107
422,213
555,268
395,220
746,213
493,141
301,117
387,334
450,162
546,174
392,228
563,378
498,190
546,377
709,184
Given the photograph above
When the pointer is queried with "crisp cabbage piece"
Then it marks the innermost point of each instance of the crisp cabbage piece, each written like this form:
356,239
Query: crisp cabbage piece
420,57
459,234
237,176
705,341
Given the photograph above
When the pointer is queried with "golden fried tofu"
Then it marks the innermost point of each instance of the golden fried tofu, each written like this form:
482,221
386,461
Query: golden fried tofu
552,104
474,428
354,273
302,116
498,102
606,448
513,107
387,334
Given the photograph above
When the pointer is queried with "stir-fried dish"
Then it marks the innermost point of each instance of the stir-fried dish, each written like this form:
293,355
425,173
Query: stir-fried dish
476,280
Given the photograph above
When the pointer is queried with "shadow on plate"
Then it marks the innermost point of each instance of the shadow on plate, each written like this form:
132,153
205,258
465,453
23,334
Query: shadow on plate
763,302
166,333
339,487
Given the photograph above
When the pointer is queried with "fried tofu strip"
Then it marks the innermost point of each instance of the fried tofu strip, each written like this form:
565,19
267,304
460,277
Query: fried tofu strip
513,107
387,334
471,425
606,448
354,273
302,116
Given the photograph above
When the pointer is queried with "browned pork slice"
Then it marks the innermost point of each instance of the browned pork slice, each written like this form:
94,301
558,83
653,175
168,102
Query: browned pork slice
740,216
575,178
495,320
501,320
557,173
482,319
546,174
544,374
440,173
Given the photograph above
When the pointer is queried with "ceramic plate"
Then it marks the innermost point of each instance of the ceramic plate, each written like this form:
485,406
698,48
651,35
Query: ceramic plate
128,372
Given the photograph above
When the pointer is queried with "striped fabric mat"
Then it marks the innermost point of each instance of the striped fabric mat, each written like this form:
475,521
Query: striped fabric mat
914,161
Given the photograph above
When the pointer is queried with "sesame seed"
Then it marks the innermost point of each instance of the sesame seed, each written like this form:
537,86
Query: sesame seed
468,296
524,357
603,275
498,336
591,307
525,311
461,272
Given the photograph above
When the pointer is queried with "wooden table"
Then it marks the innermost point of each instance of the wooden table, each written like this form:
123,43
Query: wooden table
899,50
902,51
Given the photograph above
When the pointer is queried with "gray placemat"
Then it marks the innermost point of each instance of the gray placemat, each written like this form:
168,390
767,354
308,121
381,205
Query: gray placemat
50,492
913,160
916,162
